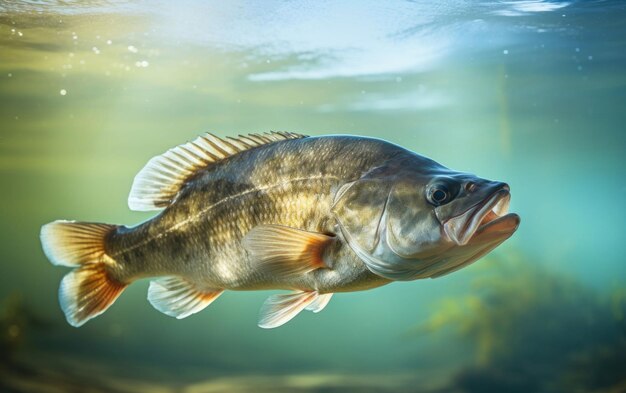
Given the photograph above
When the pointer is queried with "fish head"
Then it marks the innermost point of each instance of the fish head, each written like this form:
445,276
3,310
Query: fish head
416,220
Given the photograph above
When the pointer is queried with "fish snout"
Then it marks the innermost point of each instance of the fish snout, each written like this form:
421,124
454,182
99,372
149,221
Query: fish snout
473,186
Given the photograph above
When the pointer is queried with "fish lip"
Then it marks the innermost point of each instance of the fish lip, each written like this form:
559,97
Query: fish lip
462,228
513,217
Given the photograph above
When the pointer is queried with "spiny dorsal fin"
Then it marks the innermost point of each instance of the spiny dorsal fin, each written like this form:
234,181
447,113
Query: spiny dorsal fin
179,298
158,183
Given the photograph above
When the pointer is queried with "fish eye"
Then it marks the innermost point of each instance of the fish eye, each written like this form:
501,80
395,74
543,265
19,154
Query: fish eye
438,195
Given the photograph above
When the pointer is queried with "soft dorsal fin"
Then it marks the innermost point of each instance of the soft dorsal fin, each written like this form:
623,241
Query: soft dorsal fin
158,183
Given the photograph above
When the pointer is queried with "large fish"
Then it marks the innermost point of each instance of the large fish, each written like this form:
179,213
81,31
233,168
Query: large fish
313,215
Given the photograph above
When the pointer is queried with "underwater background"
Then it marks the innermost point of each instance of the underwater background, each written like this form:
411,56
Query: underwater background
529,92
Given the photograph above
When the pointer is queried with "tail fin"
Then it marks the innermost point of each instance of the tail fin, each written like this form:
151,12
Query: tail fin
89,290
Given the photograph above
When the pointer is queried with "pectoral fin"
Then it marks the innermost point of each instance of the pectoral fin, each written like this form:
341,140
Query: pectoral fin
284,250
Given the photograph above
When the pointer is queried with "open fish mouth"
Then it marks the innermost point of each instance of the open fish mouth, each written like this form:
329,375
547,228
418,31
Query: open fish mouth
488,219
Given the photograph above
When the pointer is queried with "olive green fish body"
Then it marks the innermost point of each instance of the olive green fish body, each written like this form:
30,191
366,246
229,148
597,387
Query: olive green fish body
314,215
289,183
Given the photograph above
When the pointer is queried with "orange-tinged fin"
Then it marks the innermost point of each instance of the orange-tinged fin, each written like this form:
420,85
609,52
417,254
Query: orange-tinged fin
158,183
280,309
285,250
71,243
179,298
319,303
89,290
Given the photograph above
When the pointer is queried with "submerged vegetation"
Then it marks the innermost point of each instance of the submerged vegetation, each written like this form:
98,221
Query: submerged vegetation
16,321
528,330
534,330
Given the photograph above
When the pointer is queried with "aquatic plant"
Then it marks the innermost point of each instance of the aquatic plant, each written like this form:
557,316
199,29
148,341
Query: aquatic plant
13,320
532,329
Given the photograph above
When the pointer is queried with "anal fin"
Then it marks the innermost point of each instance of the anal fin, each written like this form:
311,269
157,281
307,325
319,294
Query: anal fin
285,250
179,298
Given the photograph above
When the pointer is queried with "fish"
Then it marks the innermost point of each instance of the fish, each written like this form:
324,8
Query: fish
314,216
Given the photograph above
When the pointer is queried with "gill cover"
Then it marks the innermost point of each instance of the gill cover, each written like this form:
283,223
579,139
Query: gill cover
369,212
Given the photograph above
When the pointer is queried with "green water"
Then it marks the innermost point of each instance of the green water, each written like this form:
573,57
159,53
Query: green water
527,92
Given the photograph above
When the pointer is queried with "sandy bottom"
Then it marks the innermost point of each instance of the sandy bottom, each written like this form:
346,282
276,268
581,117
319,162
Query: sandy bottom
46,373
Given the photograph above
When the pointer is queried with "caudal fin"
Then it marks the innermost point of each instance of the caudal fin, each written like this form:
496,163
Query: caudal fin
88,290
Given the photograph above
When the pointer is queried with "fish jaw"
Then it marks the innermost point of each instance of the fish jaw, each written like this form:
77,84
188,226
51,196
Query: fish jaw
489,216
